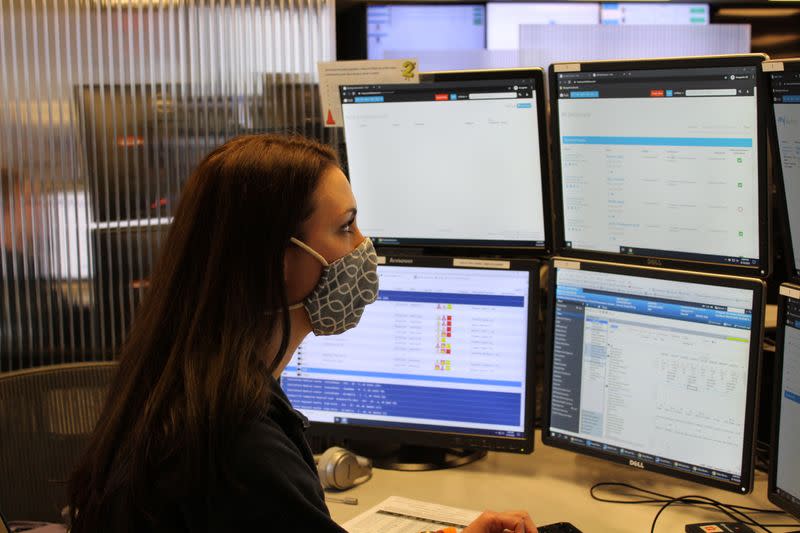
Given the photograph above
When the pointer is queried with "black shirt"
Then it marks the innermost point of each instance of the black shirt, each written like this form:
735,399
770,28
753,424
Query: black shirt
273,485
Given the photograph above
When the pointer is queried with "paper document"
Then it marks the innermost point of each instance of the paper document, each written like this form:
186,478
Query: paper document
332,74
402,515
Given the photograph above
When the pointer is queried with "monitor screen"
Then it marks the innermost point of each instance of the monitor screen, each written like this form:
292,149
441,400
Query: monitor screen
504,19
786,102
661,14
654,369
450,162
444,353
425,27
662,163
785,469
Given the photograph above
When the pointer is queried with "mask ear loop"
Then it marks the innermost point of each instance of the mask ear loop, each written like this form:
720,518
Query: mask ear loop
310,250
315,254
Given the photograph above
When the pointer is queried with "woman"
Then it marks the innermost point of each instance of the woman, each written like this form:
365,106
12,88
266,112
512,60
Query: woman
196,434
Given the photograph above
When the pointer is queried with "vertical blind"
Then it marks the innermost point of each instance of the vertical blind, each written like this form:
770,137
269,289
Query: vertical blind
105,108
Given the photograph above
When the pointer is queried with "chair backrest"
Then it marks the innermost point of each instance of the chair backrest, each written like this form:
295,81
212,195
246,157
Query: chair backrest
46,417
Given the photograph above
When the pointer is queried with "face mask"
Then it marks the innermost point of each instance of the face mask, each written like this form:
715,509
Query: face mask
345,288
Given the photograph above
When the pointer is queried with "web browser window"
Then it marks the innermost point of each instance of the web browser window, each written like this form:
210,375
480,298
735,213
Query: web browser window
447,162
661,163
786,102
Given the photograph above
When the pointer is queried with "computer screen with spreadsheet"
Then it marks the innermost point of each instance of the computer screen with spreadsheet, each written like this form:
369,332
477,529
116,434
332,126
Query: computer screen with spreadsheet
654,368
784,478
662,162
785,85
443,357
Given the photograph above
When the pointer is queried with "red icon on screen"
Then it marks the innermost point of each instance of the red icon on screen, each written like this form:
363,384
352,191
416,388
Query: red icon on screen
657,92
441,97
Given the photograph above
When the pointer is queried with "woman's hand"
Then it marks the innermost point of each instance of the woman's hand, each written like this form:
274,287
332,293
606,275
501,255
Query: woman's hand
491,522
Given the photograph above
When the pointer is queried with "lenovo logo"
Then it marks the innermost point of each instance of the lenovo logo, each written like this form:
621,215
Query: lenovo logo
655,262
637,464
400,260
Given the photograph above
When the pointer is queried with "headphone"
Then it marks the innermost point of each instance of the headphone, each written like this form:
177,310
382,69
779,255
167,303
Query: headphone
342,469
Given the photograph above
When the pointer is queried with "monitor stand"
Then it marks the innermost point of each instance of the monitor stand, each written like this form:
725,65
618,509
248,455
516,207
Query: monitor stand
415,458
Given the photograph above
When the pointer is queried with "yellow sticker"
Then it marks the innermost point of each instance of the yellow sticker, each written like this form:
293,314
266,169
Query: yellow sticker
408,69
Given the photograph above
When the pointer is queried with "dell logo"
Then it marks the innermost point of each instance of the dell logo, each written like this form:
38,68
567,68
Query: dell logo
637,464
654,262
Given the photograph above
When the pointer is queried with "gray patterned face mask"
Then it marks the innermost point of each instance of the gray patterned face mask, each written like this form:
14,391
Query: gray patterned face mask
345,288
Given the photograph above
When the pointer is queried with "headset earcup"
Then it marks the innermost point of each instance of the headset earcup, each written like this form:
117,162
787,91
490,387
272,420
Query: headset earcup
324,466
340,469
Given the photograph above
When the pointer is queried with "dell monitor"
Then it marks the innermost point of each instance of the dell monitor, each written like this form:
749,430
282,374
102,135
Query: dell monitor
785,84
459,160
663,162
392,27
654,368
784,469
442,360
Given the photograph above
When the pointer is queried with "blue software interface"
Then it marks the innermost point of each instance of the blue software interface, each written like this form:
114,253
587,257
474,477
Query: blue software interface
441,349
786,102
652,370
661,163
787,483
405,28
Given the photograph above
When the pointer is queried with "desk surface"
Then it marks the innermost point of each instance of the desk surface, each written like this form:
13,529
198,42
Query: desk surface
553,486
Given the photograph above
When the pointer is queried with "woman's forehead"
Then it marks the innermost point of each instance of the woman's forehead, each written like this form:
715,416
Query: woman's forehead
333,197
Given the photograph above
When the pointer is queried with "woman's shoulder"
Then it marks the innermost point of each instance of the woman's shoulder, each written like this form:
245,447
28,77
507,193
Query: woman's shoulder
273,479
265,438
273,448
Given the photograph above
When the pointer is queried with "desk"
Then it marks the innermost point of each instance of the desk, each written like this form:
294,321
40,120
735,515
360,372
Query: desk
553,486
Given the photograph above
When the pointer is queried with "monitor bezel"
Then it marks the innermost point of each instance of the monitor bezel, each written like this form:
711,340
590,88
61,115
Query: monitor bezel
426,437
789,252
754,364
507,247
772,493
764,266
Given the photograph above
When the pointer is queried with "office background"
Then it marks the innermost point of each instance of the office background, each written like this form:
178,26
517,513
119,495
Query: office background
106,105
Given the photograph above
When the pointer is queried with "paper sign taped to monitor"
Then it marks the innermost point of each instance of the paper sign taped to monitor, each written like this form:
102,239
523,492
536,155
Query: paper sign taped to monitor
333,74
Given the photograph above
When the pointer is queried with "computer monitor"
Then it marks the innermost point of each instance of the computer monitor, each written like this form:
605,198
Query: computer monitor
784,469
663,162
504,19
654,368
650,13
425,27
459,160
785,84
443,358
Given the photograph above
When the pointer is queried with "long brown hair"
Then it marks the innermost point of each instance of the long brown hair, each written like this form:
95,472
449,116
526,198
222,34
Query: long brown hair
194,367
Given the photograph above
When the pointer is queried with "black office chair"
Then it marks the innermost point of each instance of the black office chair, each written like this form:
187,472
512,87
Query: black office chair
46,416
